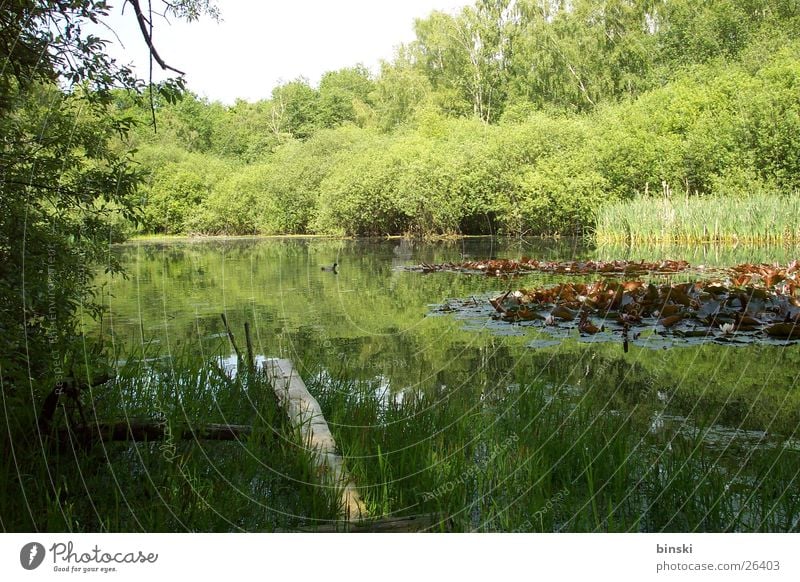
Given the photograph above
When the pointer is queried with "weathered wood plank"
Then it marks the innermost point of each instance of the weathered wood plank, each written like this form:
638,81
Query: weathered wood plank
414,523
305,414
152,431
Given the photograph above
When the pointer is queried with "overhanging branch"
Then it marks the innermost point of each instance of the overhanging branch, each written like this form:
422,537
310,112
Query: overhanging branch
143,26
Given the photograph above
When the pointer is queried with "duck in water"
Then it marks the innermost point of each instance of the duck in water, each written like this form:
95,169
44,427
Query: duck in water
332,269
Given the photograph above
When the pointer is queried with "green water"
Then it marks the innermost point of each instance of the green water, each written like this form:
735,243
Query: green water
375,321
666,436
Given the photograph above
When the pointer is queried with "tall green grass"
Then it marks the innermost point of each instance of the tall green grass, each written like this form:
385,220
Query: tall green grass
537,457
511,451
260,483
759,218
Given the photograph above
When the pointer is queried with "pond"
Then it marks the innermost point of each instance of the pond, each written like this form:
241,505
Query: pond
376,322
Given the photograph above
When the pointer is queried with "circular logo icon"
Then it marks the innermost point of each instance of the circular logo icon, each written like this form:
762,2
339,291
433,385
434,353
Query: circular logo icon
31,555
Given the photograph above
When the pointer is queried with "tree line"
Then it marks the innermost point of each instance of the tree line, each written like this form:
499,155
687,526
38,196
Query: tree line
515,117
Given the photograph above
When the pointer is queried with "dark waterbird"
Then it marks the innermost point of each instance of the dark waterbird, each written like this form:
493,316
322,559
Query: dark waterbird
332,269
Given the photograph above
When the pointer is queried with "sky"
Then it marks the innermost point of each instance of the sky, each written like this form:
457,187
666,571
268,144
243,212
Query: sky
260,44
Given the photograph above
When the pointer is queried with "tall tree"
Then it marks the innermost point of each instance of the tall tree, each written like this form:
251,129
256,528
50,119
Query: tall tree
295,109
345,96
468,54
400,89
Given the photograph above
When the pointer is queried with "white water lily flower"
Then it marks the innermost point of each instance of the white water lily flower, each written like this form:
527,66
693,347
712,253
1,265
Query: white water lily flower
727,328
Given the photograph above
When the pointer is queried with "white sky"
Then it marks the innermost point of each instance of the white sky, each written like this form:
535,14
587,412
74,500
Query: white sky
261,44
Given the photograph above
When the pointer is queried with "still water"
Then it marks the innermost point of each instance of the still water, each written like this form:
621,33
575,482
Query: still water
374,320
572,433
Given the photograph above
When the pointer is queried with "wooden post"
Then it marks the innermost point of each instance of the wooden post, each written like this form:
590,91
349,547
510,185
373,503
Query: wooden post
251,361
306,415
230,337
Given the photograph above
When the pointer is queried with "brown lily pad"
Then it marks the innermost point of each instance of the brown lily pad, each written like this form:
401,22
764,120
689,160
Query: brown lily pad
784,330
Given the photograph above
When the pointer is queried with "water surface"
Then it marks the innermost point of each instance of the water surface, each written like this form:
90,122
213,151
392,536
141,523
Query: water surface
375,321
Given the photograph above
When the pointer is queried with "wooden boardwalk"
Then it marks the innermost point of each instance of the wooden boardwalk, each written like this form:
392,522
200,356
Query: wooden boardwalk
305,415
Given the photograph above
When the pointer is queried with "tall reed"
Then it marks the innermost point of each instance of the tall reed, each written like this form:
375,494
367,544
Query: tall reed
758,218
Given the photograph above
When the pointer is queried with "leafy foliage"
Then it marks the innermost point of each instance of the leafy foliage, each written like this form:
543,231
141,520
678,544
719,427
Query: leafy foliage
524,117
68,183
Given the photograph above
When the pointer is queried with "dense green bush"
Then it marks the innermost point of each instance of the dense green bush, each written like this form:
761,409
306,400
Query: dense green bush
770,127
685,100
357,196
176,193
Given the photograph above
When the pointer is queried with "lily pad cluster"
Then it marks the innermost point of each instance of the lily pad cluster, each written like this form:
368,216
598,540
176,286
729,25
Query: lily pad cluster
692,309
768,276
507,267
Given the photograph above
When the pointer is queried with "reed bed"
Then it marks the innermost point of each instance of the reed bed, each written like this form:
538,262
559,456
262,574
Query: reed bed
515,452
755,219
538,457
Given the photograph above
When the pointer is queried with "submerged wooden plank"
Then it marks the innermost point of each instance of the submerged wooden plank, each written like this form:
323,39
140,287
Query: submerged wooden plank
413,523
305,414
151,431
